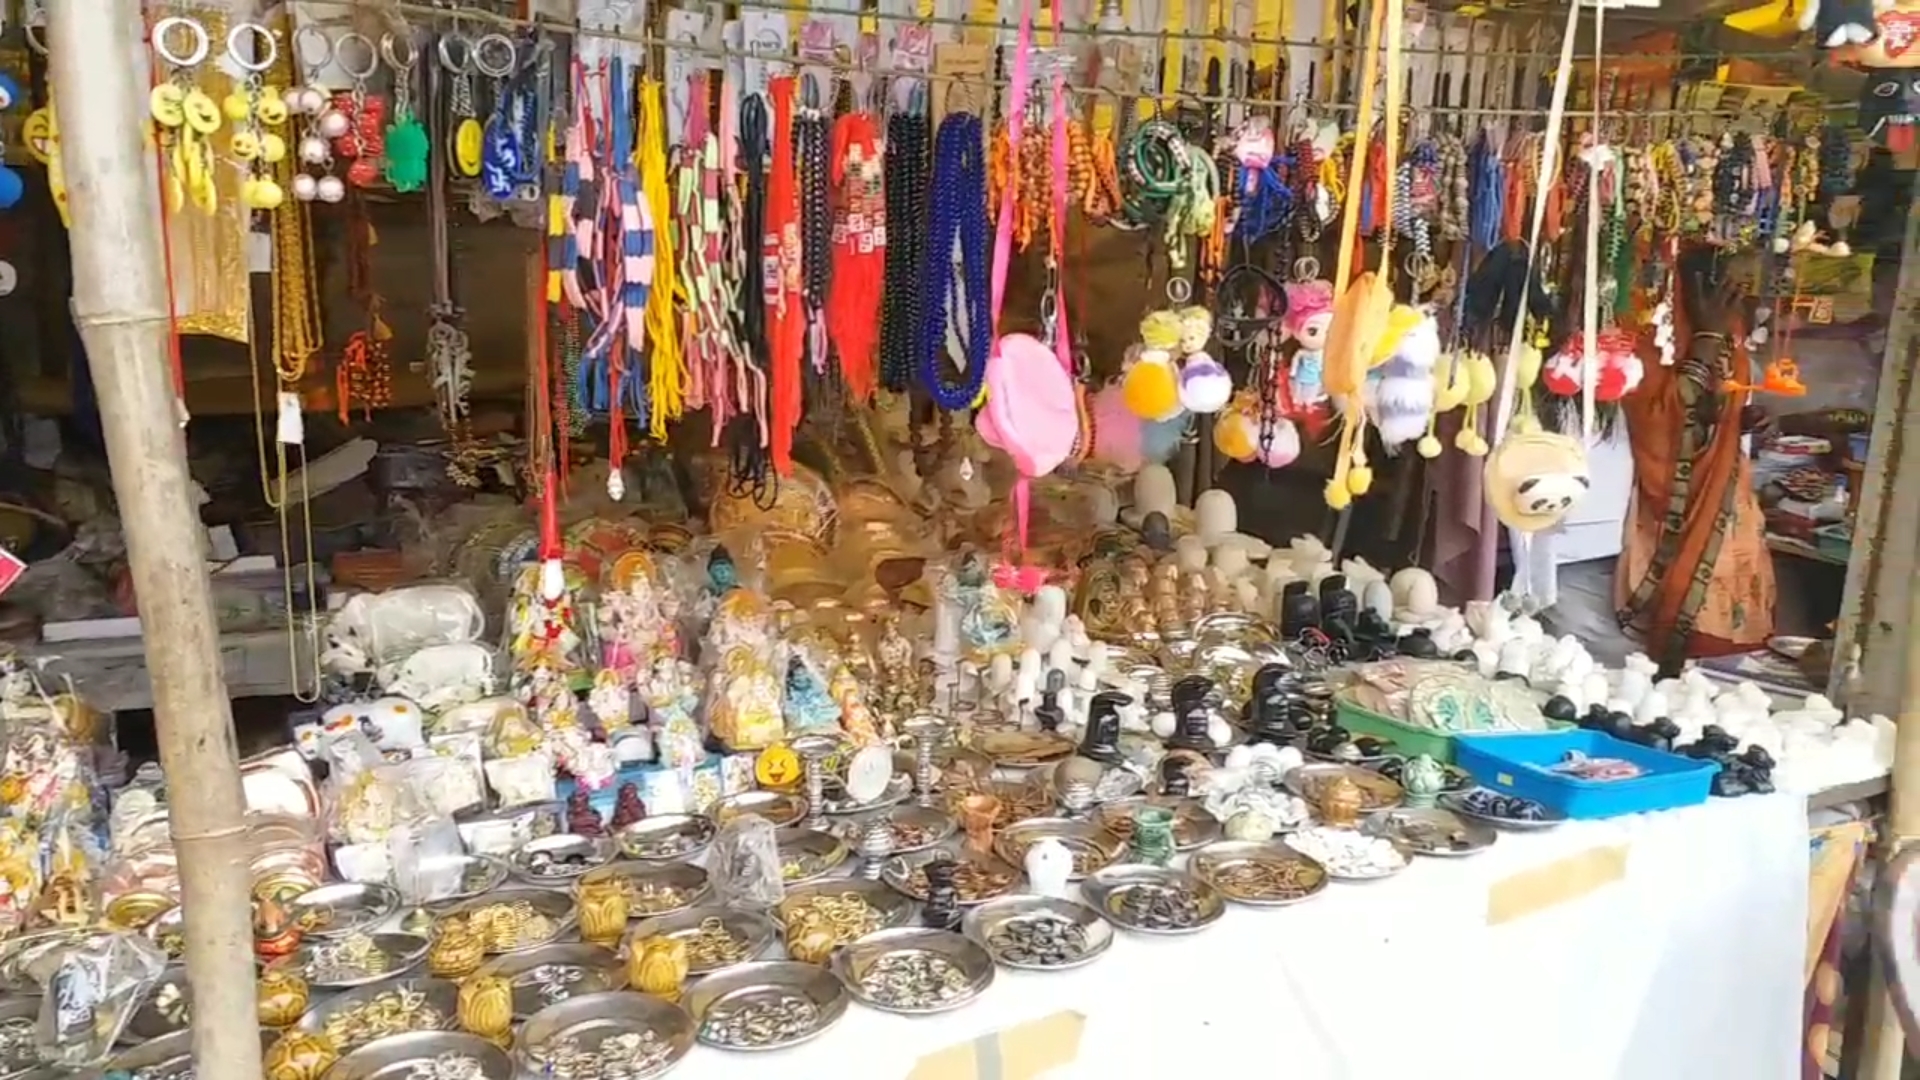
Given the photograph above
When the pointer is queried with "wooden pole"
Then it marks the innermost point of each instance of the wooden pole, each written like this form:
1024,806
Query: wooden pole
120,305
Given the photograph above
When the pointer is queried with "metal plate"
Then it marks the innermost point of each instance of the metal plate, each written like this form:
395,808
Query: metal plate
1297,839
1377,792
987,925
403,953
332,911
806,854
1014,749
1093,847
1223,865
902,873
403,1057
1193,827
653,888
666,838
167,1008
1431,831
593,1018
915,828
558,907
556,860
835,801
1108,893
1473,804
554,973
777,808
167,1053
451,879
440,995
754,933
17,1019
713,999
857,965
892,908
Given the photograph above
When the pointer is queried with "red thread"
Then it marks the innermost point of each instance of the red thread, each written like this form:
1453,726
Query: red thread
785,320
859,251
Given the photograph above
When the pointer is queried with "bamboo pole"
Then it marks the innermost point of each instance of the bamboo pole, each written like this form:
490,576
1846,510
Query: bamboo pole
120,305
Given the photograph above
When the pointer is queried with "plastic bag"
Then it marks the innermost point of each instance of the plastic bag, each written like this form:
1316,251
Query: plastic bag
744,863
420,853
92,988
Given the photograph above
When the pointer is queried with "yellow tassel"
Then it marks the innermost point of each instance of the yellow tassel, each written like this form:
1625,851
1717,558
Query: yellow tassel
667,381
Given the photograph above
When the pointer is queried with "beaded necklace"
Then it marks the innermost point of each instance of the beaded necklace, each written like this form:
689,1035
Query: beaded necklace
907,199
816,227
957,213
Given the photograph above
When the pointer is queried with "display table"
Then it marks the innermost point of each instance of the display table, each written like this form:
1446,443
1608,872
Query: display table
1675,950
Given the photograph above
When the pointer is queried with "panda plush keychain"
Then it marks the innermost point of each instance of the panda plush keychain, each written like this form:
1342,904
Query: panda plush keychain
1533,477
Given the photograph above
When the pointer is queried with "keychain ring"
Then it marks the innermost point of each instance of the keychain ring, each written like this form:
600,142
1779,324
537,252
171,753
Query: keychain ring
1306,268
444,47
1179,290
302,37
359,40
1419,264
500,43
396,60
34,30
266,52
198,45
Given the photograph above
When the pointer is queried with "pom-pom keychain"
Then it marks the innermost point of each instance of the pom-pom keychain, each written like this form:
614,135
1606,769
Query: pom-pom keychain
1235,429
1400,390
1150,386
1618,375
1116,429
1205,386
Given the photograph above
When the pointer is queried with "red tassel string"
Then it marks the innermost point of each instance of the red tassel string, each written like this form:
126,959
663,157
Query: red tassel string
786,318
859,251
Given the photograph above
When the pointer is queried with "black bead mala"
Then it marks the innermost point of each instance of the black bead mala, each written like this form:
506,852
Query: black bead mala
816,228
903,309
747,463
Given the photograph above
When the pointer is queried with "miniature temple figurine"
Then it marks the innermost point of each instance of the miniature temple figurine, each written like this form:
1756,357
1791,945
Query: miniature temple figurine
627,807
1191,714
1174,778
1339,608
1299,611
582,820
1101,741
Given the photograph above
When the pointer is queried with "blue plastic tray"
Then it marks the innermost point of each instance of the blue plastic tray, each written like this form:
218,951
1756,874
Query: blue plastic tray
1518,765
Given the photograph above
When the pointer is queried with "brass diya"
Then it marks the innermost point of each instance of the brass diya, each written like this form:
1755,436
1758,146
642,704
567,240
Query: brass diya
658,966
603,911
300,1055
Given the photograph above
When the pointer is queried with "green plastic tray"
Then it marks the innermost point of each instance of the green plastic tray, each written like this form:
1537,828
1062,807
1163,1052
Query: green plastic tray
1407,739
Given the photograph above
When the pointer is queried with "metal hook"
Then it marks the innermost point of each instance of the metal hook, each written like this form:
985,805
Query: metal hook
198,43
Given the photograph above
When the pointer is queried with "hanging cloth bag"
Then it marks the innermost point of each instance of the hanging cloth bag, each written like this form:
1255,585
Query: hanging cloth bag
1361,311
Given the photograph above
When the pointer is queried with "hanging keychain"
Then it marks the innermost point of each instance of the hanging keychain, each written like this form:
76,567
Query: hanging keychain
456,53
361,139
255,109
186,116
406,140
323,122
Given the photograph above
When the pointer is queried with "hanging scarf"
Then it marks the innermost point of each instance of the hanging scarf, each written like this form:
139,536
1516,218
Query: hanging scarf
786,315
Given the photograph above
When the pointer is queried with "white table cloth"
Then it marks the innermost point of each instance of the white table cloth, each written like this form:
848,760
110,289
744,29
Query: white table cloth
1686,965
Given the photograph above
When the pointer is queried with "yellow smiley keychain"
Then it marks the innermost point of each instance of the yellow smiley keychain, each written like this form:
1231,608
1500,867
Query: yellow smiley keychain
251,107
777,767
185,114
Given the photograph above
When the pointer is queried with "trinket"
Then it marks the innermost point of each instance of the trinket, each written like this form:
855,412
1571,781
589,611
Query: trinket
603,911
1049,865
1152,839
458,950
1423,779
847,915
280,997
915,982
1159,907
395,1011
582,820
275,932
1191,714
627,807
628,1055
1101,741
978,816
876,846
1348,854
658,966
486,1008
300,1055
1039,941
762,1022
507,926
1340,801
811,939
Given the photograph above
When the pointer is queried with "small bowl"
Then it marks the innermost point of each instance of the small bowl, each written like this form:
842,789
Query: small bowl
667,838
400,1057
778,808
1107,890
644,882
756,932
748,985
824,851
332,911
854,962
551,974
558,859
592,1018
442,994
986,923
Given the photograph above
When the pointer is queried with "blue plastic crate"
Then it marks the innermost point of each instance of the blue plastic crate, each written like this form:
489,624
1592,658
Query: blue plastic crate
1519,764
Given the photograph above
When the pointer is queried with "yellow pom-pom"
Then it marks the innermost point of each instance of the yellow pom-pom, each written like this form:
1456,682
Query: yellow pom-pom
1360,478
1463,439
1151,391
1529,370
1428,446
1478,448
1234,435
1337,495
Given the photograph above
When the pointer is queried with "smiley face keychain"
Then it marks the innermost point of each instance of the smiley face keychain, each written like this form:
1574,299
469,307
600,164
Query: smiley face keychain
185,116
255,110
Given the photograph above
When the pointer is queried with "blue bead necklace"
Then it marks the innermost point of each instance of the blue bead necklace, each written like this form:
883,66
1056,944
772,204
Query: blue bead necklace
957,211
